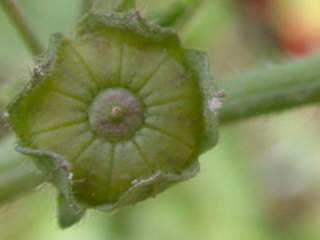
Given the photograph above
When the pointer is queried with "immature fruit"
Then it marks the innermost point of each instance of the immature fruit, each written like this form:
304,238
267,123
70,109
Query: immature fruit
116,115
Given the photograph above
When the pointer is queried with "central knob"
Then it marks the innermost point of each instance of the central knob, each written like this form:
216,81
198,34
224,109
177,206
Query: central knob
116,114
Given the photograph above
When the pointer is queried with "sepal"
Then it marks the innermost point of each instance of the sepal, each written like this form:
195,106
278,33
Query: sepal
68,215
56,170
199,62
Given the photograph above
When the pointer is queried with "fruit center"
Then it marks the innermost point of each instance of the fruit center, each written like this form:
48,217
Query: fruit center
116,114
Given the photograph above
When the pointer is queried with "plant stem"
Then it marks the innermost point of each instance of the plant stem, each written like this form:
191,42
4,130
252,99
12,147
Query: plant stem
19,21
271,89
126,5
115,5
18,175
19,181
86,5
178,13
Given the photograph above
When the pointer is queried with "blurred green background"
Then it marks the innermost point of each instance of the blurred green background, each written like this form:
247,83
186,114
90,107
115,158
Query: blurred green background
261,182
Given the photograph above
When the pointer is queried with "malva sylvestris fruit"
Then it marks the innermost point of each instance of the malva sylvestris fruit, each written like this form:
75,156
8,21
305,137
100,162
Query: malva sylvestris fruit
115,115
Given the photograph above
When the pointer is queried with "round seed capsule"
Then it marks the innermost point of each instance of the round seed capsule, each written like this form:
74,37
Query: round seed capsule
122,108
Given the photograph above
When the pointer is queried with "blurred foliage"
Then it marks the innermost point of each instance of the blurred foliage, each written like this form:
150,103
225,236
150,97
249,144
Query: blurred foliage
260,183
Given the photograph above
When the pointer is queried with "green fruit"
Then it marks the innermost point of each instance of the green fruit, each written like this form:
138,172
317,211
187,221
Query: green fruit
115,115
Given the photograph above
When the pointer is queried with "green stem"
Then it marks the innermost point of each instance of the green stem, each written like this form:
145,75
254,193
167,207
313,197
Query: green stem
115,5
272,89
126,5
19,21
18,182
2,122
171,16
18,175
178,13
86,6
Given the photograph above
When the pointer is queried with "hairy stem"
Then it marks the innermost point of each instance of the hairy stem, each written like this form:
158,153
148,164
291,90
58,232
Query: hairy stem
19,21
271,89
